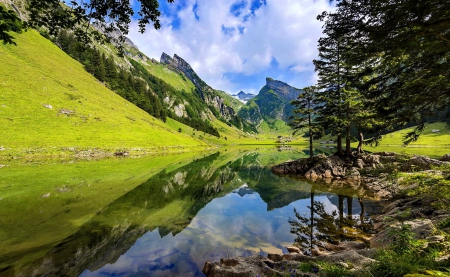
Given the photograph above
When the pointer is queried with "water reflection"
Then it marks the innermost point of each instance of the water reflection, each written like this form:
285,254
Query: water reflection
321,226
223,205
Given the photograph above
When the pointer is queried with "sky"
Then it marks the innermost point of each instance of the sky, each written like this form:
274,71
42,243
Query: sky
234,45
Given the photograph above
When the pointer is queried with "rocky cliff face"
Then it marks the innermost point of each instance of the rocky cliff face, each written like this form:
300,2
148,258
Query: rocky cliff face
208,94
272,102
282,89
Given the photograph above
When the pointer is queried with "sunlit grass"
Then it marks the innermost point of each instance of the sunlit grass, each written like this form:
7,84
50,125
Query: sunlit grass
36,73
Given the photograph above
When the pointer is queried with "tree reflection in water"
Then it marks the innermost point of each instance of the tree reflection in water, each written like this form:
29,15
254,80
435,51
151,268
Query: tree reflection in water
320,228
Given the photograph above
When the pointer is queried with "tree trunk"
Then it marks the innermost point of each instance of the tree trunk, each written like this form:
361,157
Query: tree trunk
311,238
360,142
349,207
348,147
311,152
341,209
339,146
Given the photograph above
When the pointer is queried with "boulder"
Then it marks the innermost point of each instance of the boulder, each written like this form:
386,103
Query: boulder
229,262
445,158
332,167
357,260
351,245
421,163
371,159
275,257
359,163
386,154
293,249
291,167
353,174
421,228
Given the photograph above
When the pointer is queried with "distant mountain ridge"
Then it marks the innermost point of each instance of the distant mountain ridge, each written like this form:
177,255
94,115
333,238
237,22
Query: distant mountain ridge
272,103
244,96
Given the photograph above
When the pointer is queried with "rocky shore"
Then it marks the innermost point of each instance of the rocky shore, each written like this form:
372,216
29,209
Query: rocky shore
374,173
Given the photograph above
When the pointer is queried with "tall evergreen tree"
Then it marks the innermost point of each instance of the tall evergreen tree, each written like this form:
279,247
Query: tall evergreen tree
330,106
9,21
304,117
406,48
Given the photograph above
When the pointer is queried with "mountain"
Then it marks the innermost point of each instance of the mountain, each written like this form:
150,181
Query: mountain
244,96
271,104
49,103
210,96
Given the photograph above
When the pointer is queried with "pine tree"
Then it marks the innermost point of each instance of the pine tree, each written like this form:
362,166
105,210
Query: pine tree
303,117
404,47
329,96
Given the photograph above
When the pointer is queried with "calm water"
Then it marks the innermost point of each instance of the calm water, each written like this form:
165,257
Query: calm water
220,205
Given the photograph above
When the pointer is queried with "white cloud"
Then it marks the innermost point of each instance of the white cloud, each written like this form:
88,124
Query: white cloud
285,31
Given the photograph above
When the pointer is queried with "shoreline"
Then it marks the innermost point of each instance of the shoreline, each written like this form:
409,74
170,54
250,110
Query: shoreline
399,210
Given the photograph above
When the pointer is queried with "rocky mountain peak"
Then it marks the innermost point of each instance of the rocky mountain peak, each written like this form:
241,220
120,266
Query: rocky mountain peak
244,96
166,59
282,89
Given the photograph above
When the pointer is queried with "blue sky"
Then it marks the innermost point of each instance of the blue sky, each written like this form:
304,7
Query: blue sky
235,45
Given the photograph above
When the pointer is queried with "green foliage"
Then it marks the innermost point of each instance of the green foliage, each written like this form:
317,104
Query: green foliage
107,16
404,255
334,270
305,267
394,47
304,116
428,185
9,22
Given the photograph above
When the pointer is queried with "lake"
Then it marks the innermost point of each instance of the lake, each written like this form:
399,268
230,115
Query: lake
166,215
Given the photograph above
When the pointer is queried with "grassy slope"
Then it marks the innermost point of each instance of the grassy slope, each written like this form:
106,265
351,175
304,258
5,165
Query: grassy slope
177,80
429,143
36,73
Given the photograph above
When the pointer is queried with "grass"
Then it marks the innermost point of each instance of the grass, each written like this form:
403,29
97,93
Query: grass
428,185
37,73
175,79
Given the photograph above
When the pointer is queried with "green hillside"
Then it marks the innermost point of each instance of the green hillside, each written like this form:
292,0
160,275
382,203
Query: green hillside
175,79
48,102
230,100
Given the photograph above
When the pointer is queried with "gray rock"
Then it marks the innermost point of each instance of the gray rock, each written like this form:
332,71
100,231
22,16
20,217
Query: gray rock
292,167
445,158
371,159
46,195
330,168
351,256
275,257
67,112
353,174
386,154
396,203
229,262
420,228
293,249
351,245
359,163
421,163
436,238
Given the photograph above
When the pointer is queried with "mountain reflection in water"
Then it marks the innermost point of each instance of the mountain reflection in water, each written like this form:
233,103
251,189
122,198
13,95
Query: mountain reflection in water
222,205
